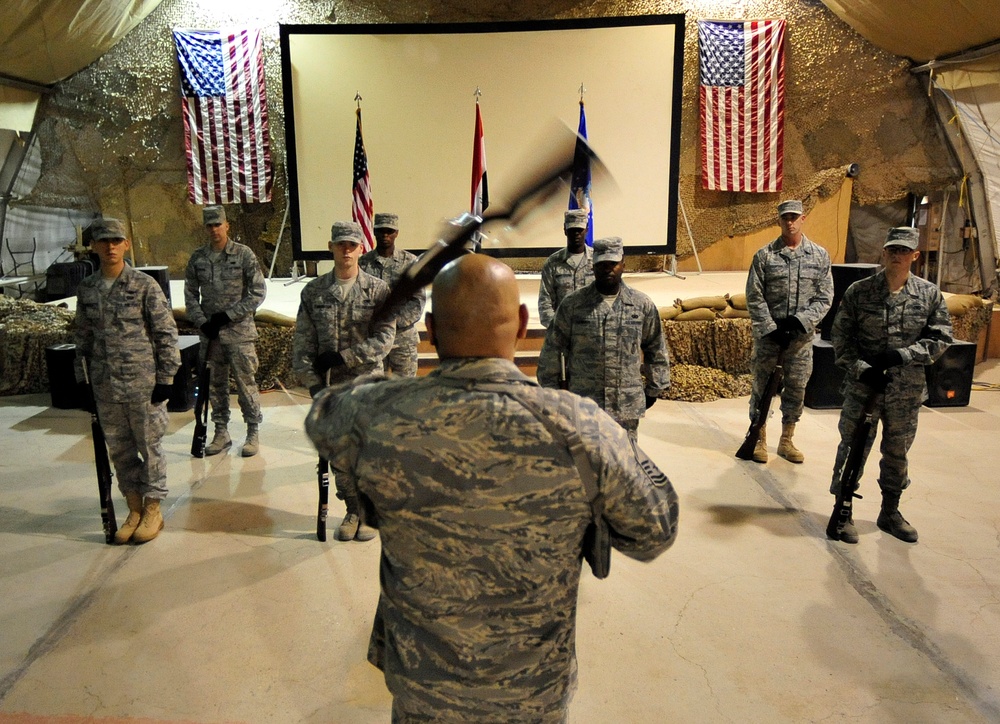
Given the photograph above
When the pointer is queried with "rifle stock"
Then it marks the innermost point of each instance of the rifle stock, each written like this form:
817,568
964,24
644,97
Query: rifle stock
200,438
103,467
323,478
851,470
763,409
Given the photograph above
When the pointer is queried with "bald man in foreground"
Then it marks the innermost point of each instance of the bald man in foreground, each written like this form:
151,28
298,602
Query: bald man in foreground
482,512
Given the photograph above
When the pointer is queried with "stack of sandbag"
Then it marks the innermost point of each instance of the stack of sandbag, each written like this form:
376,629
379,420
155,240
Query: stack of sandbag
970,315
26,330
736,307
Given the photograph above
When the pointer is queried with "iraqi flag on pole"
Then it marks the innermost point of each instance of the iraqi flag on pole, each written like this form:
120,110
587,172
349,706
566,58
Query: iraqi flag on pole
362,208
742,104
579,190
480,190
224,106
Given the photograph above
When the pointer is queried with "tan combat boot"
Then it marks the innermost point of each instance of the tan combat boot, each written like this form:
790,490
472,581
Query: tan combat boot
150,524
365,532
348,527
252,444
760,449
124,533
786,449
221,441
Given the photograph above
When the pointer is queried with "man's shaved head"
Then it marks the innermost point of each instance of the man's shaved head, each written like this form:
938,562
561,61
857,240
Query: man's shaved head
477,310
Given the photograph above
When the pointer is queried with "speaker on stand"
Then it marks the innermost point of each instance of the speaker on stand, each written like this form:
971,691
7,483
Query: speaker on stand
949,379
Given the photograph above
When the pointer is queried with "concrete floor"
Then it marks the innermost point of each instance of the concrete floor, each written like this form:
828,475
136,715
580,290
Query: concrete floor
236,613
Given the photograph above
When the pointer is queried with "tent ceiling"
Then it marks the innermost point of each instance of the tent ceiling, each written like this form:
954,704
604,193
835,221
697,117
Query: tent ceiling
921,29
44,41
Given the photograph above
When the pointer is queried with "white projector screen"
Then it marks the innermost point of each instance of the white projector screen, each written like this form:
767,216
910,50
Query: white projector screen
418,83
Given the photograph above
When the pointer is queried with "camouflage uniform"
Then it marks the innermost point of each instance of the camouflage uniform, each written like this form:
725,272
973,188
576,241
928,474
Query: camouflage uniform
782,283
559,278
234,285
129,339
607,351
482,516
870,320
402,358
327,323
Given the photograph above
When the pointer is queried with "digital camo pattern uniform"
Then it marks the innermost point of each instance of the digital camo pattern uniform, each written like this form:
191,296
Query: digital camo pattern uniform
871,320
402,358
129,339
482,516
785,283
559,278
328,322
606,350
235,285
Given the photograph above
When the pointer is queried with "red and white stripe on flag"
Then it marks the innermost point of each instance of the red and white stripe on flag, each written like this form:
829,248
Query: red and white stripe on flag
226,136
742,104
362,206
480,193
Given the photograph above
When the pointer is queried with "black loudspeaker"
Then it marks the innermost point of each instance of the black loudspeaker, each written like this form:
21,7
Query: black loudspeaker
823,388
182,393
949,380
844,275
65,391
62,279
162,275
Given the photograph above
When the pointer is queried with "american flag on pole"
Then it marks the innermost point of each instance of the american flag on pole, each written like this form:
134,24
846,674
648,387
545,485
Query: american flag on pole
363,208
480,189
224,106
742,104
579,190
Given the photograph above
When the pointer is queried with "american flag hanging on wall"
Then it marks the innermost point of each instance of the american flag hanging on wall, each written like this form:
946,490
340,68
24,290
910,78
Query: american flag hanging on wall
742,104
224,106
362,208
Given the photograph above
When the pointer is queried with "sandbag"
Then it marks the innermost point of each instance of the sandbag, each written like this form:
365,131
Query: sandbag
270,317
734,313
699,313
670,312
738,301
718,302
959,304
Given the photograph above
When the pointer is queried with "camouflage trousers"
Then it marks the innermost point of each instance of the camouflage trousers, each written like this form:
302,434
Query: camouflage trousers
897,410
402,358
134,432
797,367
241,358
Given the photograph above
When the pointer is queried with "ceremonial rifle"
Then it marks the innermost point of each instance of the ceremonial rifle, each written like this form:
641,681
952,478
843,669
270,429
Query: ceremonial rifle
851,470
102,464
763,409
198,442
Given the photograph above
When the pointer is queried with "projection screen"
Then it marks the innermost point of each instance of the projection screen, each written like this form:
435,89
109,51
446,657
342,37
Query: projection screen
418,87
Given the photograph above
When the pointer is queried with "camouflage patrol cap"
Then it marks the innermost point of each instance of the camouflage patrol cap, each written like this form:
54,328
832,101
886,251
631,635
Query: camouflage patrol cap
575,219
902,236
104,229
387,221
608,249
346,231
792,206
213,215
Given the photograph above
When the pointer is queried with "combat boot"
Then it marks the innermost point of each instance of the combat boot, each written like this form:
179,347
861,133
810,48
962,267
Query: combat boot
151,523
251,446
348,527
760,449
221,441
848,533
892,521
124,533
786,449
365,532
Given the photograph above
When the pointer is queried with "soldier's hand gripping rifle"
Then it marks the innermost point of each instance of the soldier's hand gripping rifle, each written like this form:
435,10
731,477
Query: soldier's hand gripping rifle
102,464
200,439
763,408
851,470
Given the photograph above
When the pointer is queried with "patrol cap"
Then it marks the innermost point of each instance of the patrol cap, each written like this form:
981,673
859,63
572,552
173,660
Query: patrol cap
346,231
213,215
792,206
608,249
386,221
902,236
103,229
575,219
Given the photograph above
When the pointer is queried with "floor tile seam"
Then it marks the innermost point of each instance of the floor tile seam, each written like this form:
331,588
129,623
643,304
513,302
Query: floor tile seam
904,628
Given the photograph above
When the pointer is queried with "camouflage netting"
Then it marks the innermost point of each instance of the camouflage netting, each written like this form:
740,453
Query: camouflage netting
111,135
26,329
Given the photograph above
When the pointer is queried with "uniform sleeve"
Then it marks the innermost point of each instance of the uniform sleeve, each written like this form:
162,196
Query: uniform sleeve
305,343
640,504
822,297
934,338
192,295
373,348
760,315
654,352
844,336
554,348
254,287
412,311
545,311
163,334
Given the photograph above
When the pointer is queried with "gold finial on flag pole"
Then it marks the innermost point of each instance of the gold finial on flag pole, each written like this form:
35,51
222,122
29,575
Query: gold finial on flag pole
582,91
357,97
477,94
